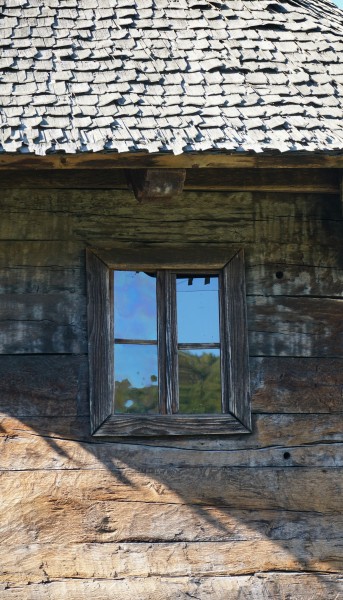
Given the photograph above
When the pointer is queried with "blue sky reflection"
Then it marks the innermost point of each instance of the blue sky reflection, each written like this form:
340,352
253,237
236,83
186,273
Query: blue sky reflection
134,306
198,310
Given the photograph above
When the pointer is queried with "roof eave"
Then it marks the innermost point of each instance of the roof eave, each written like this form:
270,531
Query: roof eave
189,160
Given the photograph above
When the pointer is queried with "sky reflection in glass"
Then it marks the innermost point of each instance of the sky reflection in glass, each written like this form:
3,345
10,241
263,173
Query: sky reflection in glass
198,310
134,306
136,378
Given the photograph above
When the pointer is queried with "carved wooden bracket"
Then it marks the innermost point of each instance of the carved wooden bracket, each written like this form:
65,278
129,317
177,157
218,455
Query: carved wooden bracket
152,184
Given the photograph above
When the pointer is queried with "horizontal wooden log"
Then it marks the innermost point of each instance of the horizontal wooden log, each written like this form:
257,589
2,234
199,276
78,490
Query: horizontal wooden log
44,385
43,323
279,326
269,586
272,488
50,521
37,254
189,160
269,279
284,326
282,180
227,217
50,562
296,385
41,254
285,279
32,452
55,385
244,204
279,432
42,280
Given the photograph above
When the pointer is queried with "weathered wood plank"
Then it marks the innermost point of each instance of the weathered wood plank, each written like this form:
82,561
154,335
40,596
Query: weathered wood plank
50,562
296,385
85,179
226,217
259,205
51,521
42,280
280,432
100,340
286,279
33,385
278,326
152,184
295,586
37,254
268,279
274,488
283,326
282,180
236,397
43,323
31,452
44,385
190,160
269,586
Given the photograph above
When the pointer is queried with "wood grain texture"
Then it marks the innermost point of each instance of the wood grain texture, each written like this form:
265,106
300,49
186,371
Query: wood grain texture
297,385
316,181
43,323
100,340
44,385
165,425
190,160
243,488
151,184
87,522
51,385
168,374
32,453
277,326
194,559
236,397
213,517
269,586
225,217
272,436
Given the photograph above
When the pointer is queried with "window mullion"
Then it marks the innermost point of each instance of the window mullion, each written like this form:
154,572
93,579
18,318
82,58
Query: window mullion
167,343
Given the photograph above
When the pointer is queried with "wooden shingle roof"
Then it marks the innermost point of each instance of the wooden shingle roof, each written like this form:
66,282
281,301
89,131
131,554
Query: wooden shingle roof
170,75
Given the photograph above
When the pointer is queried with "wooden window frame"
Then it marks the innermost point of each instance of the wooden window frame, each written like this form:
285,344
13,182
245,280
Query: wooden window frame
236,414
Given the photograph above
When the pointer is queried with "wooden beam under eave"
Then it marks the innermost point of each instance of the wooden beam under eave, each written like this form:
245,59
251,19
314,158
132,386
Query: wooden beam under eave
341,187
190,160
156,184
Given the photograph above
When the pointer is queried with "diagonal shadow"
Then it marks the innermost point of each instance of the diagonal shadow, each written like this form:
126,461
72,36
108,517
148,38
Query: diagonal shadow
253,504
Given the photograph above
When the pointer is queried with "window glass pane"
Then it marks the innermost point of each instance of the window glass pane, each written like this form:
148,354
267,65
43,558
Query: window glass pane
134,306
197,309
136,378
199,381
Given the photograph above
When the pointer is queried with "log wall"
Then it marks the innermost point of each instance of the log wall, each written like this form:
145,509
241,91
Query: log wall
243,517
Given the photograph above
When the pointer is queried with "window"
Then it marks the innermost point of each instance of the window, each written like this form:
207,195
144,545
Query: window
168,351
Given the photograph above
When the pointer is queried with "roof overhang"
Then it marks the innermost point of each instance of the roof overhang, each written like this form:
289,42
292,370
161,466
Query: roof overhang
190,160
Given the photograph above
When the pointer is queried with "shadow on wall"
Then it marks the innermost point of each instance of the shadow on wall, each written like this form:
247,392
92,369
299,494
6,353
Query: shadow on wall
256,516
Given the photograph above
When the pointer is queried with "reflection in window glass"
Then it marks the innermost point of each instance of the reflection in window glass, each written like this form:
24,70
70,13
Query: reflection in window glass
199,381
136,379
135,306
197,309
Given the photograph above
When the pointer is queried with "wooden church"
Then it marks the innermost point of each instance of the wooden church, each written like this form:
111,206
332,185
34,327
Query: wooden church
171,262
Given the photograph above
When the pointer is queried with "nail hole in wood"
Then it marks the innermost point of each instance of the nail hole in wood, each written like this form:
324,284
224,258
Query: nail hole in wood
286,455
279,274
